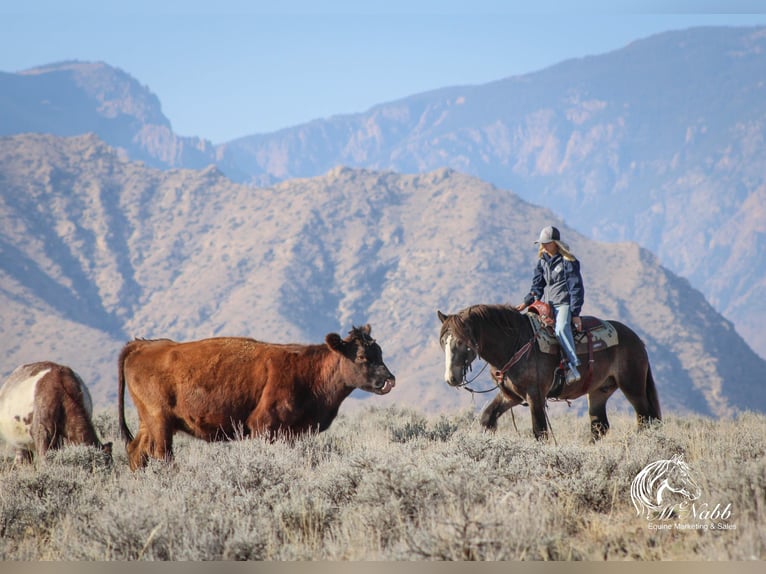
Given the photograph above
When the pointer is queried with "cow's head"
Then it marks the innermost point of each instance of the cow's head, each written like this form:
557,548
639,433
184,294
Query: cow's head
363,368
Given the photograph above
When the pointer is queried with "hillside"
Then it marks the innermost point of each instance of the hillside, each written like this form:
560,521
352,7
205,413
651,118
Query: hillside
660,143
95,250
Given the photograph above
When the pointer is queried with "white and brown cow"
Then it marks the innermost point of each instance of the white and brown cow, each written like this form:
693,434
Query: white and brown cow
42,405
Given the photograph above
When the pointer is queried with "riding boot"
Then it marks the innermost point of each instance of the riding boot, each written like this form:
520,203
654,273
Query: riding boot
573,375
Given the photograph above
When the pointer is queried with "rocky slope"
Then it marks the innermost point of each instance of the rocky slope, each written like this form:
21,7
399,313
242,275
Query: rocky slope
95,250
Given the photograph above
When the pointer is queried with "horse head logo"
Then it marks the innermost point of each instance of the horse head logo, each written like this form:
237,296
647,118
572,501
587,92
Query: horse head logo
663,487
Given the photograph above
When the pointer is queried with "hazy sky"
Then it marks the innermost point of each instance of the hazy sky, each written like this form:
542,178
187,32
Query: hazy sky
232,68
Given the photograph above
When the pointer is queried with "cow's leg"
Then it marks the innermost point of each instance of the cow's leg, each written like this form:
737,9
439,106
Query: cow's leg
161,441
154,439
48,420
23,456
141,448
263,421
138,453
45,437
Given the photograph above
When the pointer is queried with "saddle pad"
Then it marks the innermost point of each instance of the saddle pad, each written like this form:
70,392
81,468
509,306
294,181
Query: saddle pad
604,335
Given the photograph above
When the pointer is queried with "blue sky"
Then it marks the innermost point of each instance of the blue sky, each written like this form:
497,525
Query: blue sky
232,68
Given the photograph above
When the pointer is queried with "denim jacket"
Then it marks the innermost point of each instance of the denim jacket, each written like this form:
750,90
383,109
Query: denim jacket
560,281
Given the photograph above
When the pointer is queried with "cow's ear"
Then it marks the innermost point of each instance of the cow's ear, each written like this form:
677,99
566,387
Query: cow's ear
334,341
442,316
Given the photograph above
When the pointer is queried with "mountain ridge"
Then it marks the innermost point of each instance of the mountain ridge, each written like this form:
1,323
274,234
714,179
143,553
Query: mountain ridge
96,249
657,143
73,98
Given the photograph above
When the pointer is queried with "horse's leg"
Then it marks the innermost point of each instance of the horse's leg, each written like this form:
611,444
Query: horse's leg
636,391
597,398
536,393
539,422
634,376
499,405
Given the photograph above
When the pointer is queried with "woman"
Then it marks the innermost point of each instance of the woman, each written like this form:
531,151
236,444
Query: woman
557,275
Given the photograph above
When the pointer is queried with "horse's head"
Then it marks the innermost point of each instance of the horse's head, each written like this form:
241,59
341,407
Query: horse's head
459,349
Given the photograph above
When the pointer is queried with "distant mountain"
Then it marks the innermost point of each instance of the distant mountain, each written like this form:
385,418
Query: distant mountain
658,143
96,250
74,98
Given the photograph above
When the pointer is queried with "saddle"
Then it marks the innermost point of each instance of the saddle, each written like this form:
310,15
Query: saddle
543,311
596,335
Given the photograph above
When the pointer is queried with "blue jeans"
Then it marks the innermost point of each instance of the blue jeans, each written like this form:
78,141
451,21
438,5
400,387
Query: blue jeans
564,332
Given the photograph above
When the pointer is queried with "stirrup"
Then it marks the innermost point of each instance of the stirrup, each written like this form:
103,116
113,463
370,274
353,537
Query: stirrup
559,381
573,375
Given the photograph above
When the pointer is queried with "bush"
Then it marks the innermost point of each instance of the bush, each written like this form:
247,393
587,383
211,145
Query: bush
387,484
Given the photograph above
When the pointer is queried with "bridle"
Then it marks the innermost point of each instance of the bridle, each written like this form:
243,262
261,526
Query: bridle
499,374
466,382
467,367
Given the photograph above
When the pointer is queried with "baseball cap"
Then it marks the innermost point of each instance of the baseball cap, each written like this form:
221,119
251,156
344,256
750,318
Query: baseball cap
549,234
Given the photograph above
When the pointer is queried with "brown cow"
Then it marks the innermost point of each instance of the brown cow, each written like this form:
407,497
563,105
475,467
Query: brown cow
229,387
41,406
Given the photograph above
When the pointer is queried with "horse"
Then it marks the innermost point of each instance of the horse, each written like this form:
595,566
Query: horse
509,341
657,488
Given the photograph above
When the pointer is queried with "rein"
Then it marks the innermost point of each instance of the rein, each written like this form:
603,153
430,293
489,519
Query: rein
466,382
499,374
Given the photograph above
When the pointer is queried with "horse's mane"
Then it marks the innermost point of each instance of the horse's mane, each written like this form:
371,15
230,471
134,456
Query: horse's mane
460,324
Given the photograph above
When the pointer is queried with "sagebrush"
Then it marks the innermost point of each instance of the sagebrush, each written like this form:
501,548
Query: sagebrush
388,484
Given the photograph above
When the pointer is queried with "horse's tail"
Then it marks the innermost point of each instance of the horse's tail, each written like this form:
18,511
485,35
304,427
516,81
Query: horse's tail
651,396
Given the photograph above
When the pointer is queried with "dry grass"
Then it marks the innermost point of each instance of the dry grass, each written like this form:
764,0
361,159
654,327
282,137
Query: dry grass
389,484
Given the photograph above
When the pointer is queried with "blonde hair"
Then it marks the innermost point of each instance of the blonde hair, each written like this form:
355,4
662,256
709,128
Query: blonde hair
563,249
